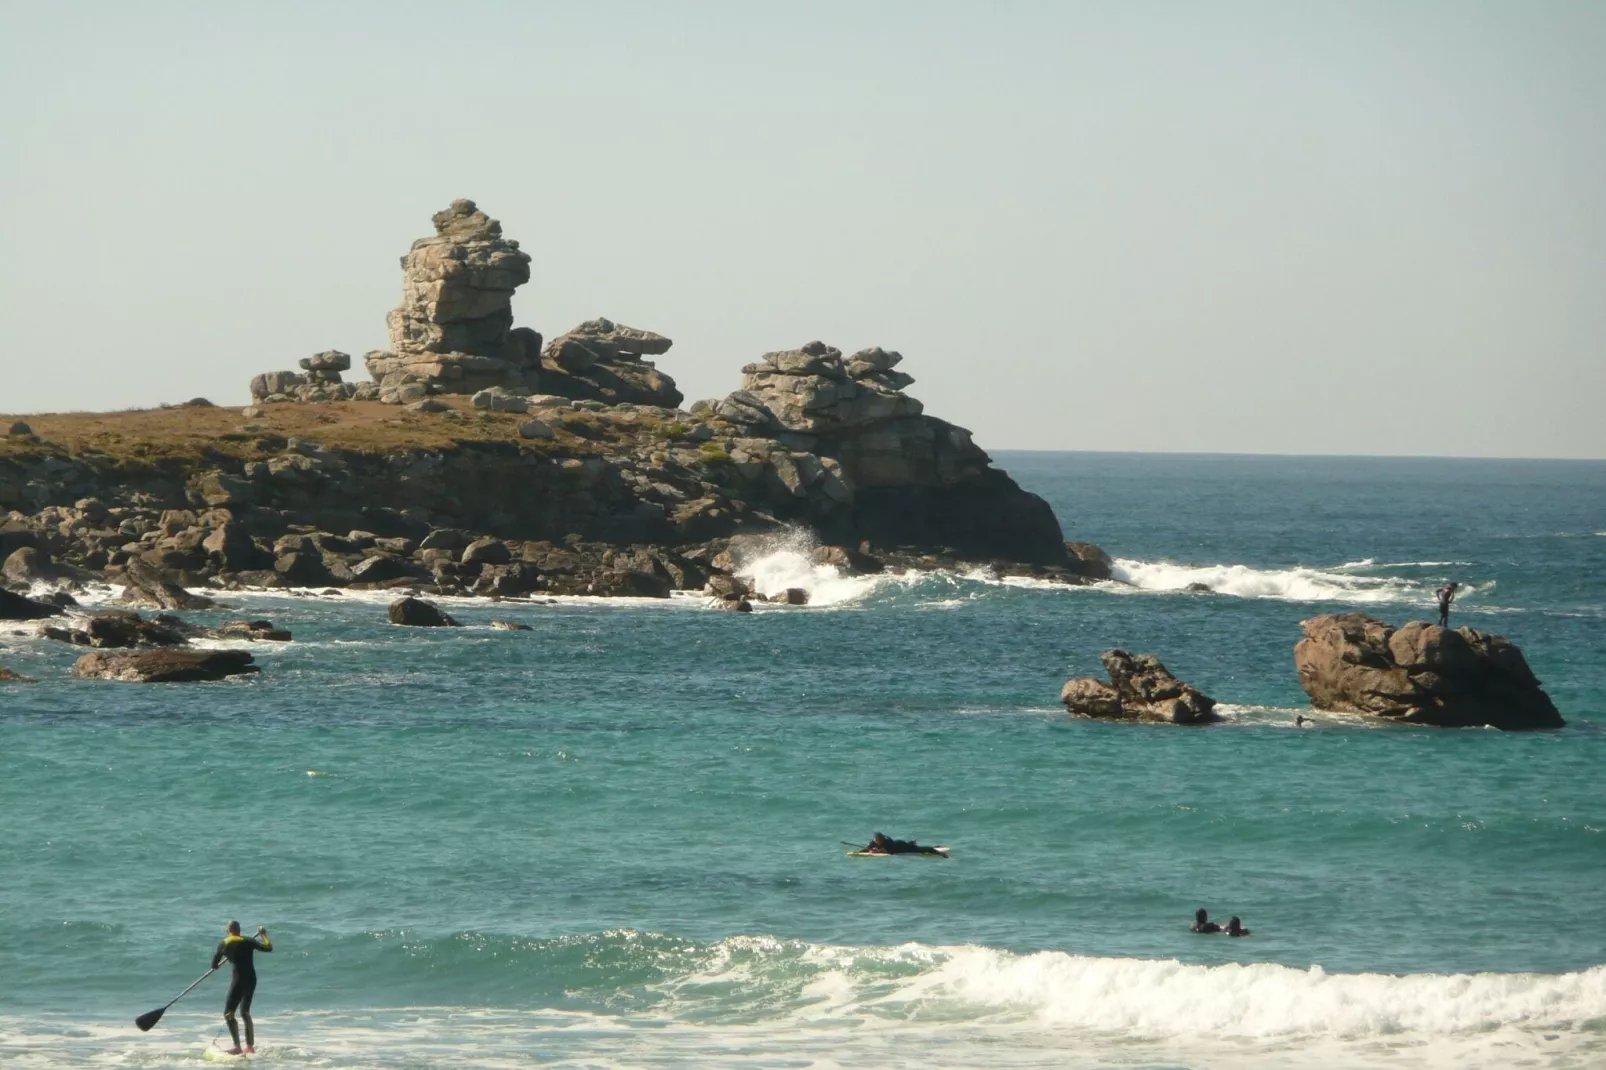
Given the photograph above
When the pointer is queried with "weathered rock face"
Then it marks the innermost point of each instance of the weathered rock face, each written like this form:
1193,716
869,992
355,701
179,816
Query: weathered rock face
1140,689
1420,673
165,666
453,332
854,456
602,361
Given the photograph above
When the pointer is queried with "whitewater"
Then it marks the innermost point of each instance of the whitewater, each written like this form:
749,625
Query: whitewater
617,839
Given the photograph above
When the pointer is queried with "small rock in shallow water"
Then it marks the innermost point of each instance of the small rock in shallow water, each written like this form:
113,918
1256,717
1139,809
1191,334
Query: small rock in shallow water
165,666
510,626
9,677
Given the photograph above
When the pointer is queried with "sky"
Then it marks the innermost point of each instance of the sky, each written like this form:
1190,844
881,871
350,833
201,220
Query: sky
1337,228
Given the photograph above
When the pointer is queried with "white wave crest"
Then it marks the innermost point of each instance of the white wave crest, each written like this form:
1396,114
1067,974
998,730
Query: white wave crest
785,561
1342,583
1263,1000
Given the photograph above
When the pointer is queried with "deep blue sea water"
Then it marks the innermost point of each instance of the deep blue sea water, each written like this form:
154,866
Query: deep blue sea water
615,839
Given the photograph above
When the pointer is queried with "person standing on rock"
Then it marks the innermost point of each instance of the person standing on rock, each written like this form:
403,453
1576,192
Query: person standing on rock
238,950
1446,595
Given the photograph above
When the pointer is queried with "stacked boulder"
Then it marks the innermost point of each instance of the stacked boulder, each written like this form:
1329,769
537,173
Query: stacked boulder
602,361
1421,673
453,332
854,456
319,380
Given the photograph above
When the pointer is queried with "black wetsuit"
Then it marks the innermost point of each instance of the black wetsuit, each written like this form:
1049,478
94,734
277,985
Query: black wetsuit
900,847
238,950
1446,596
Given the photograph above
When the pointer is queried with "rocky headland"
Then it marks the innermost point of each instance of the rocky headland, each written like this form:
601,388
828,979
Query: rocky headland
1420,673
480,460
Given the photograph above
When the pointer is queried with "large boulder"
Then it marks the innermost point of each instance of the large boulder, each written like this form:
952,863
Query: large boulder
1140,689
30,566
165,666
16,607
417,613
1421,673
603,361
144,585
453,332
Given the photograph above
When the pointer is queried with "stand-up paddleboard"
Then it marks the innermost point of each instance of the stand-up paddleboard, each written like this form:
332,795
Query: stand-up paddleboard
218,1055
942,852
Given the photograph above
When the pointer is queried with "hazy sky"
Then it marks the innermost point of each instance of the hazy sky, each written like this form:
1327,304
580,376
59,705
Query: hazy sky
1266,227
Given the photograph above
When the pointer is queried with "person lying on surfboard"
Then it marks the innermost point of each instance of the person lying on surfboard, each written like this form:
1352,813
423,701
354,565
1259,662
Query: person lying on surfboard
880,845
238,950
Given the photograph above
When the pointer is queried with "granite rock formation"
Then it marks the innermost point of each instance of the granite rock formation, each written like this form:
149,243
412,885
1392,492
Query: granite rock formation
1420,673
848,452
1140,689
603,361
453,332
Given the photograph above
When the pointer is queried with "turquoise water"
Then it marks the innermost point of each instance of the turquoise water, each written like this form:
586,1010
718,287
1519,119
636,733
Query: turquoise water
614,839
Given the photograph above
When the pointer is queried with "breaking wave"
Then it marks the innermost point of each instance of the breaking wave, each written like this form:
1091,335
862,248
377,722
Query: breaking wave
1342,583
655,1000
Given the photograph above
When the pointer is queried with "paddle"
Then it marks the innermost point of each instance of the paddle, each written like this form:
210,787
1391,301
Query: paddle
150,1018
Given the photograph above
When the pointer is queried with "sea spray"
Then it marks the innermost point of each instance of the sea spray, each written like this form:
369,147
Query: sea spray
785,561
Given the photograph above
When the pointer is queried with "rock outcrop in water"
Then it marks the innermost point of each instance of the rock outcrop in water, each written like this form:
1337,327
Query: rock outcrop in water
168,666
1140,689
1420,673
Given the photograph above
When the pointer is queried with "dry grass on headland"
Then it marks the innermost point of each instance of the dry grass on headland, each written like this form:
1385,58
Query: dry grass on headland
193,432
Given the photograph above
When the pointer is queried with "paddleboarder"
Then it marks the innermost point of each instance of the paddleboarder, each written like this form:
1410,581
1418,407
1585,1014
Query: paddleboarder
238,950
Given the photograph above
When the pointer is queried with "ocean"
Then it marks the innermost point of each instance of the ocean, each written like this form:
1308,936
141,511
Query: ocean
617,839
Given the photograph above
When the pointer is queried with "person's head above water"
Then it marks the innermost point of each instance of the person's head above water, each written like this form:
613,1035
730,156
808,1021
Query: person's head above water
1201,915
1234,926
233,928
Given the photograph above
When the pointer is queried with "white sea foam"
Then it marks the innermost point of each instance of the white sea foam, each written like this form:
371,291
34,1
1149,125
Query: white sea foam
756,1001
1342,583
785,561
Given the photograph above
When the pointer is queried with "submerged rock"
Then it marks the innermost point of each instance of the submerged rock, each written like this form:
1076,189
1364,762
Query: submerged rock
9,677
1140,689
510,626
165,666
1420,673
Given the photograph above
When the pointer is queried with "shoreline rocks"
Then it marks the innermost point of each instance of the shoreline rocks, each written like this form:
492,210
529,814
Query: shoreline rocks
1420,673
1140,689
